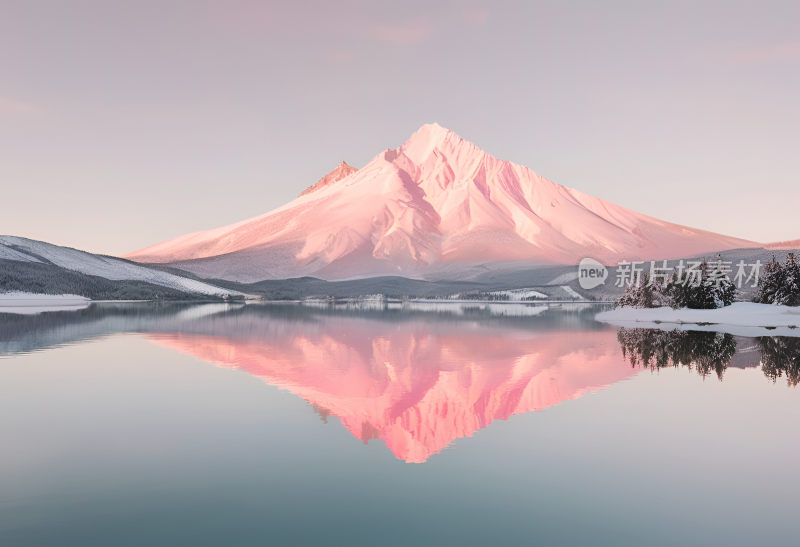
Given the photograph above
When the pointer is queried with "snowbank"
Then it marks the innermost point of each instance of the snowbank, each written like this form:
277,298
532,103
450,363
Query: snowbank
742,318
24,303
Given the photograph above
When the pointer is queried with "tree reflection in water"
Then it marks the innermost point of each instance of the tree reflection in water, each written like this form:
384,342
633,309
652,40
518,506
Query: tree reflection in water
708,351
703,351
781,356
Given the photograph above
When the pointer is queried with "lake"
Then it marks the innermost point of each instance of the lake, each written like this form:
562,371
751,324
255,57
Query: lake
416,424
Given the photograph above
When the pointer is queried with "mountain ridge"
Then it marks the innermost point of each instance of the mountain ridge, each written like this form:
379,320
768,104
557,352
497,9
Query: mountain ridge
783,245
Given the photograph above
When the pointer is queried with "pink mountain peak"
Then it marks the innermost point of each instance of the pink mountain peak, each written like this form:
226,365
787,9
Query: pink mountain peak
436,205
432,133
339,172
433,136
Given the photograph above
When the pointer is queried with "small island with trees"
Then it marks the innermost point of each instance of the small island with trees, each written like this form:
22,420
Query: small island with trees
710,297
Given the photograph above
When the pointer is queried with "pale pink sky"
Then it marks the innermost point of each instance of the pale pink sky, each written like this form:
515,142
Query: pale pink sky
125,123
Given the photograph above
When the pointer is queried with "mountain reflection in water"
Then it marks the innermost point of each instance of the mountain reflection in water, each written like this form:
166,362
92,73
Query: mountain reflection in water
416,385
415,379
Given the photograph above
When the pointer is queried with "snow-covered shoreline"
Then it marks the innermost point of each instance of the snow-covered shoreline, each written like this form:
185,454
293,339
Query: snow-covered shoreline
25,303
741,318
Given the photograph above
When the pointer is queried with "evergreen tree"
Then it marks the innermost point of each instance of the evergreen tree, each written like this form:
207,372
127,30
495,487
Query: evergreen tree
643,294
678,291
769,282
719,285
780,283
788,292
700,293
706,288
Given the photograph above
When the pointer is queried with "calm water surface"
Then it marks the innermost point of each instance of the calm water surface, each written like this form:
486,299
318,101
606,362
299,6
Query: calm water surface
222,425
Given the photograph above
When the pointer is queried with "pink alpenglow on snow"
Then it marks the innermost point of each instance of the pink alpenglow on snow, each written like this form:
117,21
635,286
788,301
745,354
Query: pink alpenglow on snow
341,171
435,204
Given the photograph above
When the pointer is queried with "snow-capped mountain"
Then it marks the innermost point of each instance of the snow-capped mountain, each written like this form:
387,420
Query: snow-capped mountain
432,206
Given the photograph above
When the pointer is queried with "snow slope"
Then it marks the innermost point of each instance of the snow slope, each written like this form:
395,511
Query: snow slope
434,203
28,250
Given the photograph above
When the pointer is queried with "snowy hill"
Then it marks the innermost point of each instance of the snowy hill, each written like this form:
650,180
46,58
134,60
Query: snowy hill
35,259
430,208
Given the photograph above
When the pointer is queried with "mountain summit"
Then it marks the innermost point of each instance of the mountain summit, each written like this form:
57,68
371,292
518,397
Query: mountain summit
339,172
433,206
